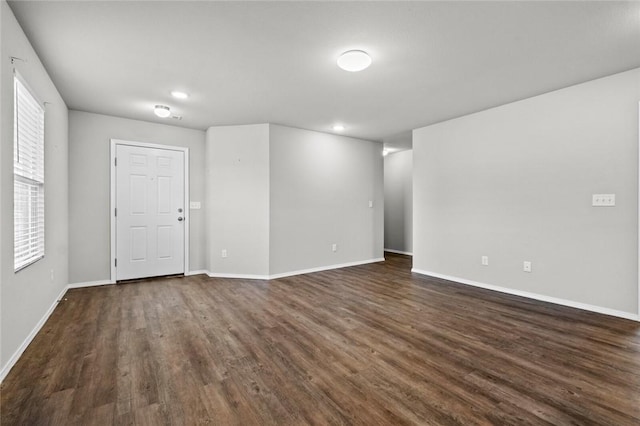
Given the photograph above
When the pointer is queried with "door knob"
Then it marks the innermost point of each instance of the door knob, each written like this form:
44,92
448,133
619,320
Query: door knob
180,219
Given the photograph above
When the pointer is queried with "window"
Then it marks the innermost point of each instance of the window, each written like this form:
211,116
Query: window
28,177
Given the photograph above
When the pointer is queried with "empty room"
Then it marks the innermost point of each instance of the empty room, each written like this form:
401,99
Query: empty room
314,212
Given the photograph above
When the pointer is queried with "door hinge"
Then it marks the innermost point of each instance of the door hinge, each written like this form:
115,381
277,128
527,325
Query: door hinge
115,161
116,263
115,211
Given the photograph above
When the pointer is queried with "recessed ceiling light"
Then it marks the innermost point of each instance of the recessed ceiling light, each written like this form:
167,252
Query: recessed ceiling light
354,60
179,95
338,127
162,111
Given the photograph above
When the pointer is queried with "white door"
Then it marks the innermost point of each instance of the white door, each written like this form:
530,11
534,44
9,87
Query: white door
149,212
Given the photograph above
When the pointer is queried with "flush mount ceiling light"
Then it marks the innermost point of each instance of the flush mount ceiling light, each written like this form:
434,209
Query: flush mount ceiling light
338,127
179,95
162,111
354,60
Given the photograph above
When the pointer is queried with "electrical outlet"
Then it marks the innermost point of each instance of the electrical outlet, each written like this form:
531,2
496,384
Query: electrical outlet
485,260
603,200
195,205
224,253
370,203
334,247
526,266
52,275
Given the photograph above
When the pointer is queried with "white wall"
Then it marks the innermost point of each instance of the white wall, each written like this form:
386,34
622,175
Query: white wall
515,183
89,185
237,187
26,296
398,201
321,185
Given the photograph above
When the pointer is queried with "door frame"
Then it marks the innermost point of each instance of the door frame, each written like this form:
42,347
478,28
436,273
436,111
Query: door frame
112,204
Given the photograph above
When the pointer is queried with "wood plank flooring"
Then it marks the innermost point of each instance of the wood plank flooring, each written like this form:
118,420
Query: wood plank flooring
366,345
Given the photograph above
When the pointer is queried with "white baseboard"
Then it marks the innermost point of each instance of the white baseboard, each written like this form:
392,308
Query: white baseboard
197,272
535,296
324,268
406,253
242,276
90,284
18,353
292,273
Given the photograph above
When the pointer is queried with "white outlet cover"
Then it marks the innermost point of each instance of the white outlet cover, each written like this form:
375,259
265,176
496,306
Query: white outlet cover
603,200
194,205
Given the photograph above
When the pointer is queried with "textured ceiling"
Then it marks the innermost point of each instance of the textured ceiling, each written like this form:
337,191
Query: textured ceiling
256,62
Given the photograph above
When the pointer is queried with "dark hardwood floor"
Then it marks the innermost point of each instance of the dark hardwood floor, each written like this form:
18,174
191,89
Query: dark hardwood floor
366,345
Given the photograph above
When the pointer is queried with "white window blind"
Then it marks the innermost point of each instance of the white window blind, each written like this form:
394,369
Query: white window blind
28,177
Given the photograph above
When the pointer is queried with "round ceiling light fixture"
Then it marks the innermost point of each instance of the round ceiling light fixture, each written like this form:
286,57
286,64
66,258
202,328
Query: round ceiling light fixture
338,128
354,60
162,111
179,95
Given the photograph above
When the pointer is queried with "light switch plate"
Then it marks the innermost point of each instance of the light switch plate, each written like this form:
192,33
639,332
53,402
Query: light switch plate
603,200
194,205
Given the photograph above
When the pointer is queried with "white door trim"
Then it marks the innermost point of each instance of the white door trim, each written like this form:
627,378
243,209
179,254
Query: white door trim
112,204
